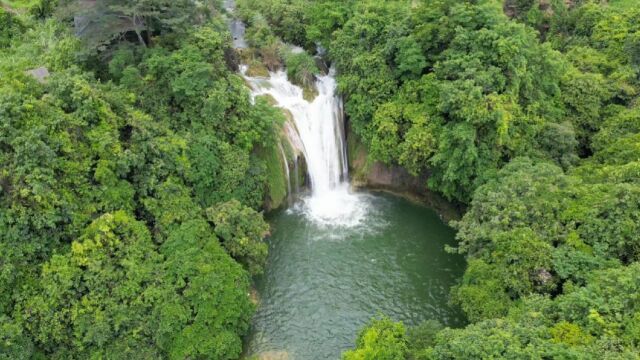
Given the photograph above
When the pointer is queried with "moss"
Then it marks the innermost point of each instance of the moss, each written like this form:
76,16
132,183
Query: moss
270,100
309,93
288,150
302,180
276,177
245,55
358,158
257,69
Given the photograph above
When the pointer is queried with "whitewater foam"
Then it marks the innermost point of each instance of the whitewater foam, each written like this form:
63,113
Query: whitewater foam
321,130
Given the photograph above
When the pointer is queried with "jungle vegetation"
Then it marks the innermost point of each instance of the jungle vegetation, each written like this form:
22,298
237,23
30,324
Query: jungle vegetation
132,183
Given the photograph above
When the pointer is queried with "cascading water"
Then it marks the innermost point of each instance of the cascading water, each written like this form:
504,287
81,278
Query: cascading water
321,130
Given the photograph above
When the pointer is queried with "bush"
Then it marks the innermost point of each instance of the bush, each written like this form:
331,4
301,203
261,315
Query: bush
301,69
382,339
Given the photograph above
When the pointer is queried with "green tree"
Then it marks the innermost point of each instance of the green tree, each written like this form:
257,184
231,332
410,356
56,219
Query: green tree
409,59
242,231
500,338
10,27
104,245
301,69
97,299
104,21
204,307
381,339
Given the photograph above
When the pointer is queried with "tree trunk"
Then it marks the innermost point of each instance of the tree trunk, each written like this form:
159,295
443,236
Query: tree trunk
135,27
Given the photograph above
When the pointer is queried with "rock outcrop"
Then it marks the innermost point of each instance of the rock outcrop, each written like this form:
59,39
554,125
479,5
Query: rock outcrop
374,175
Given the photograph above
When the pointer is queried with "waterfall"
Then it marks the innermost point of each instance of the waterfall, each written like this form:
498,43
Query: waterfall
320,127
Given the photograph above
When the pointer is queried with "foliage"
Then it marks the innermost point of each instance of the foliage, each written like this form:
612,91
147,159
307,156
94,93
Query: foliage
10,27
113,295
205,306
132,177
323,18
282,17
102,22
489,84
242,231
528,114
44,8
421,337
499,339
106,250
381,339
97,298
301,69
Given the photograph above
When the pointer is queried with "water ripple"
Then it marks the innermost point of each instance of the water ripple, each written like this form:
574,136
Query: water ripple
325,280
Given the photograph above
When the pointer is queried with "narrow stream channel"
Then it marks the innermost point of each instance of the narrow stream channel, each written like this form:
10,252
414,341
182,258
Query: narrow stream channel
337,258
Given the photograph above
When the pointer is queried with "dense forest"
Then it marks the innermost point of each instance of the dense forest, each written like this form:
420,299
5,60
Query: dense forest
135,168
131,184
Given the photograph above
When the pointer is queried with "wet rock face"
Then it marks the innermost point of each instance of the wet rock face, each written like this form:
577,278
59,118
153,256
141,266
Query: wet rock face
393,177
232,59
322,65
375,175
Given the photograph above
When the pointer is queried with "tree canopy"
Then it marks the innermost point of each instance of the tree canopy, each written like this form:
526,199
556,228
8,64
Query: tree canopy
109,165
132,179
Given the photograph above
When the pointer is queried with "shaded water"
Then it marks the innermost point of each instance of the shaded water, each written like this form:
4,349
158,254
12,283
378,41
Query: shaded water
236,26
324,282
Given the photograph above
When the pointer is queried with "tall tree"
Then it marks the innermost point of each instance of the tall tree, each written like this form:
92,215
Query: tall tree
100,22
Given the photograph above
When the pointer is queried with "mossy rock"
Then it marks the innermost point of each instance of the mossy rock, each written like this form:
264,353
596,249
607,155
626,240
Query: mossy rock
358,158
245,55
309,93
270,99
276,178
257,69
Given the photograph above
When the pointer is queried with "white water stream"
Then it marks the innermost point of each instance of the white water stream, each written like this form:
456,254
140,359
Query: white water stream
320,127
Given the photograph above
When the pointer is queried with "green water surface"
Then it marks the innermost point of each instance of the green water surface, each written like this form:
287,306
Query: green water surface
323,283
